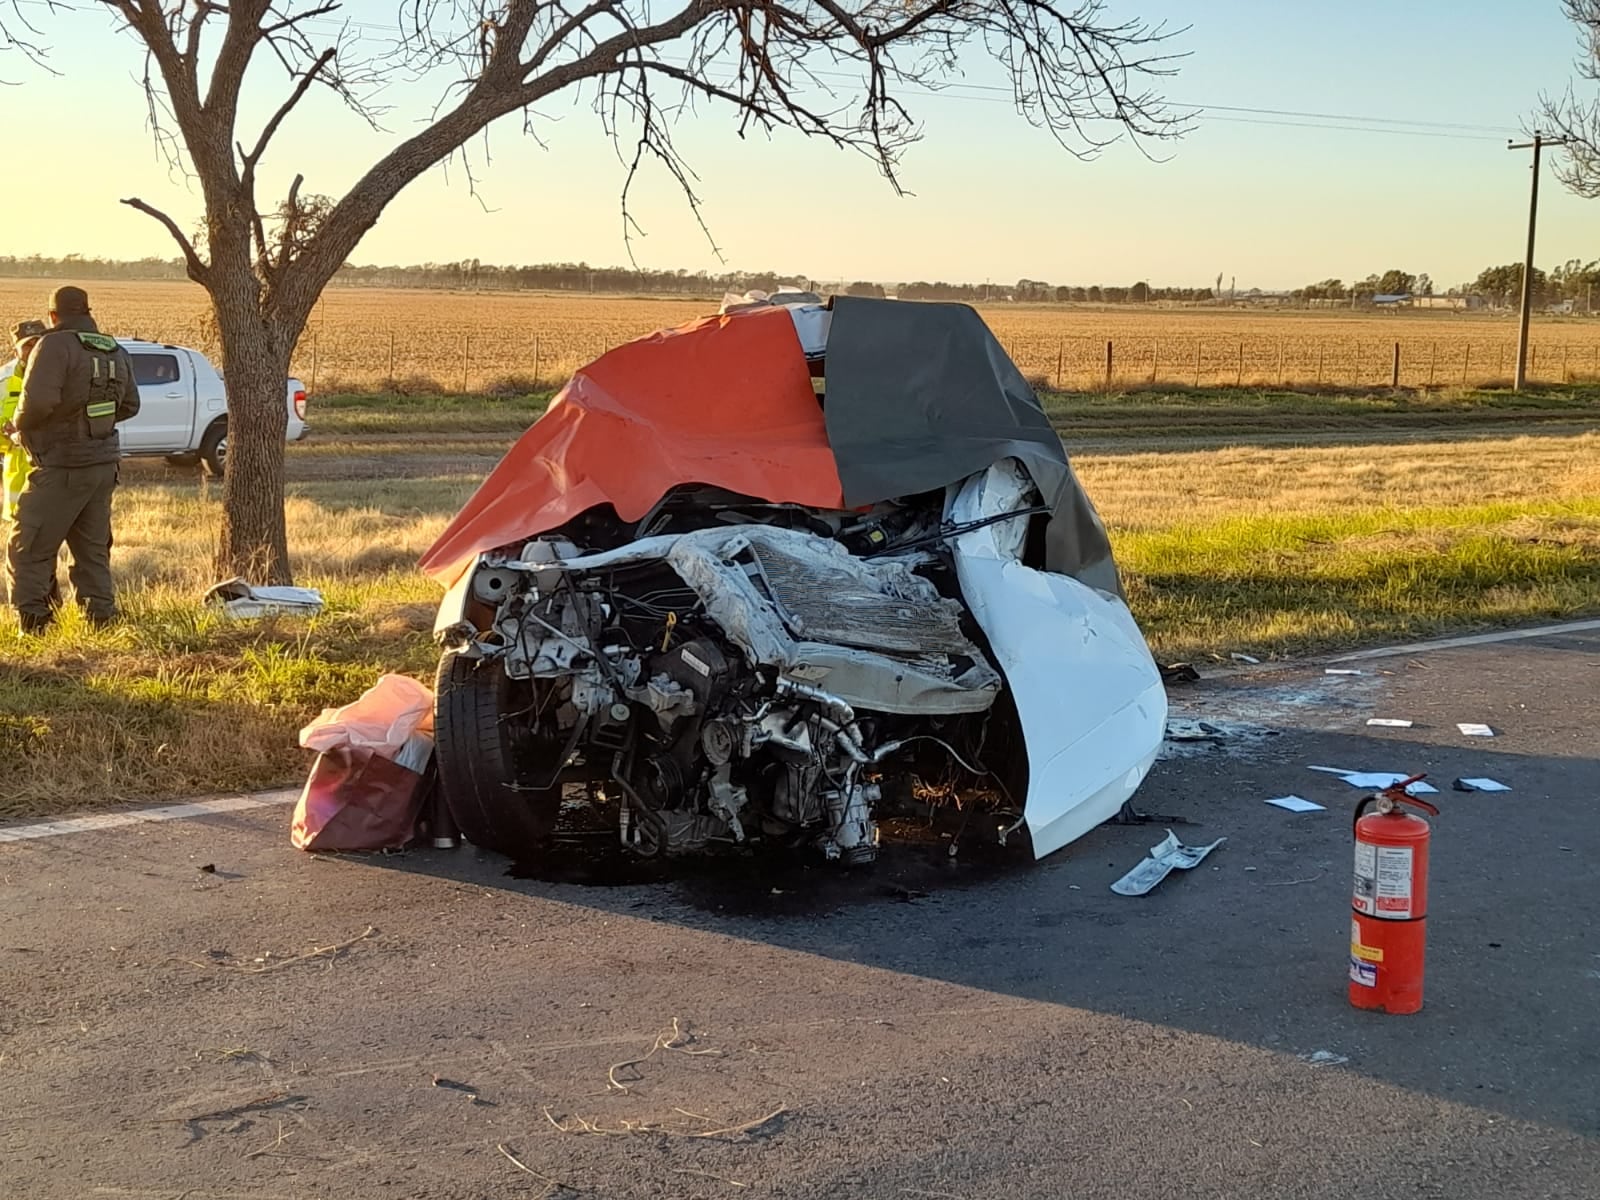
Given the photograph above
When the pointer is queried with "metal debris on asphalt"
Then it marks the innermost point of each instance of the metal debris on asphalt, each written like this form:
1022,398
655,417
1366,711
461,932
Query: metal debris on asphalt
1165,857
1479,785
1377,780
1472,729
1184,729
1325,1058
1297,804
1390,722
1340,671
1245,658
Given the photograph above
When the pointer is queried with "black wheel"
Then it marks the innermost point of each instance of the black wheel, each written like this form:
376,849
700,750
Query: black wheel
214,448
477,760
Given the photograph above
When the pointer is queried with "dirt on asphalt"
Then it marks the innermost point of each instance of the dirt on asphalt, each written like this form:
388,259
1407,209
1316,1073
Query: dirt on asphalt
430,1025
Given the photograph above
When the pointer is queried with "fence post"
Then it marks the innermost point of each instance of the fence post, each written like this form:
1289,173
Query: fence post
1280,362
1059,350
1533,365
1108,366
313,361
1320,349
1565,378
1394,376
1433,360
1355,363
1466,361
1155,358
391,360
466,360
1197,362
1238,378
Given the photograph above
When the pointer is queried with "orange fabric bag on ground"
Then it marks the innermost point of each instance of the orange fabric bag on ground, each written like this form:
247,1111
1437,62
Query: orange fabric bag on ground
365,791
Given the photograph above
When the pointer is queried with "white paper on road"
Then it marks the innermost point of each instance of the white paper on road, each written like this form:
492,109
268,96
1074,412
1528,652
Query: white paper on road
1483,785
1297,804
1378,780
1471,729
1389,722
1166,856
1340,671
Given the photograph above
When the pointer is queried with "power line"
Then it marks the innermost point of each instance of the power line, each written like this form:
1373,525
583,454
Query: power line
1000,93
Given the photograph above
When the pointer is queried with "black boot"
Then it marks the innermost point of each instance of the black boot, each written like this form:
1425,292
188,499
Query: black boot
33,623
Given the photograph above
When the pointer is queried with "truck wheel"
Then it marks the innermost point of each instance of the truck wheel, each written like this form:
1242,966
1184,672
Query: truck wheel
478,763
214,448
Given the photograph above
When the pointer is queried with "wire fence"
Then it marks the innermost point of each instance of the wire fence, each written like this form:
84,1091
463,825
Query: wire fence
505,363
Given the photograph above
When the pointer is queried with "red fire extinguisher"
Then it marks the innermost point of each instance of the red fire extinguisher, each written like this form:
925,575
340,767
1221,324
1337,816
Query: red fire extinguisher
1389,903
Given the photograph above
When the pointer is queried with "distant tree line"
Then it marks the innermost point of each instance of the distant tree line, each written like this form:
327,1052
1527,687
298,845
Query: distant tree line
1574,280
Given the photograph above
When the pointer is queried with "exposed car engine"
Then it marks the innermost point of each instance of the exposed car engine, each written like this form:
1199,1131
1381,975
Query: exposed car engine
727,680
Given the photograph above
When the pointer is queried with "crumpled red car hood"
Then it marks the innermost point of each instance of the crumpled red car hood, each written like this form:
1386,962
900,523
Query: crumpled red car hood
725,401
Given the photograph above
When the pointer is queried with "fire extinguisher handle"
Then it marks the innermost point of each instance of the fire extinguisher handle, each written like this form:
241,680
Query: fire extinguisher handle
1396,796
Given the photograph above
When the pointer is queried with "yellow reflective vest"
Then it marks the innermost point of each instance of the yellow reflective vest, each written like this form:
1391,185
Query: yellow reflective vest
15,467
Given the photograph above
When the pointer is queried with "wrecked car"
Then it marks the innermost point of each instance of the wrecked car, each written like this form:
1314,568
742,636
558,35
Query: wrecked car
777,574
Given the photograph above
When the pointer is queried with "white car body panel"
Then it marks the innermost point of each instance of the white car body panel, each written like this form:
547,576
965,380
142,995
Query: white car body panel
1088,693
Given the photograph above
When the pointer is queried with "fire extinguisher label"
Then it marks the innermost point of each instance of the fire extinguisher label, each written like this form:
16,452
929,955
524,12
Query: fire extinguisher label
1364,973
1382,881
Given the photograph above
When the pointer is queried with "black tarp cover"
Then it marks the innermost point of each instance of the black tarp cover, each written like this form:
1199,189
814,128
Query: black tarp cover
920,396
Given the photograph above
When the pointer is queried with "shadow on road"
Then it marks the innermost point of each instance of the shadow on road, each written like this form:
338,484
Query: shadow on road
1251,947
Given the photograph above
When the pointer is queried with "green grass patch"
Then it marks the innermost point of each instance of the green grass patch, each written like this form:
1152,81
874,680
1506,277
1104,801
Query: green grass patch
1281,585
1171,412
352,415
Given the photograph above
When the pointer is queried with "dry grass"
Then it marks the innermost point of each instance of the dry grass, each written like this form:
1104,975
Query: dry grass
178,700
1268,550
510,342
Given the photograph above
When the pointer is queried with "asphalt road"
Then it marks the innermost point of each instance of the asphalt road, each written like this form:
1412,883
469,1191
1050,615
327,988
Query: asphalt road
1019,1031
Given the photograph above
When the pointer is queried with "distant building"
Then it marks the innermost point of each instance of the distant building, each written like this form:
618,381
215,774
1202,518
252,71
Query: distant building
1398,300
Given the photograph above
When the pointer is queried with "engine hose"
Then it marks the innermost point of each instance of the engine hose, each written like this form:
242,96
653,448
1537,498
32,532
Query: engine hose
646,814
888,748
561,762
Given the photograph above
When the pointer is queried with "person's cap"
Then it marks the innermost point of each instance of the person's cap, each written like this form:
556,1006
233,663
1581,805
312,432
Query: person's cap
69,302
23,330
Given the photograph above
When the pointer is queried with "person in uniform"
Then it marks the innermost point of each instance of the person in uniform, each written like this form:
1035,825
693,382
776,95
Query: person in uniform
78,387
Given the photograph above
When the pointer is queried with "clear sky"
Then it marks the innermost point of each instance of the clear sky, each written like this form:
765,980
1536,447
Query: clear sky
1413,173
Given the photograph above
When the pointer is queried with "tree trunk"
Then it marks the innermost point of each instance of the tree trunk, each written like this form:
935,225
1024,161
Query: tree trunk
254,541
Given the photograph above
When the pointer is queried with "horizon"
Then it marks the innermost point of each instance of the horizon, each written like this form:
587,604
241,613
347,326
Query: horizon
829,284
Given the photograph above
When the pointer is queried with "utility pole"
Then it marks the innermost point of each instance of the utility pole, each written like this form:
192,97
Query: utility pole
1536,145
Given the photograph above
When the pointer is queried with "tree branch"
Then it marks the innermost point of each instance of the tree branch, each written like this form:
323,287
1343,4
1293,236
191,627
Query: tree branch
198,271
302,86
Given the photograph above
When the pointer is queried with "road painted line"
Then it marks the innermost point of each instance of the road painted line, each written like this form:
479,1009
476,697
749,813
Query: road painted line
142,816
1477,639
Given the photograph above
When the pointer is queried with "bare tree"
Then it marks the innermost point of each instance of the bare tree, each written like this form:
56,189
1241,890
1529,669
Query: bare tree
844,71
1573,118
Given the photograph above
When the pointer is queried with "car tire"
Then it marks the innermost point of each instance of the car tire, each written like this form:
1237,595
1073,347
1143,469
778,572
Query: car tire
214,449
477,763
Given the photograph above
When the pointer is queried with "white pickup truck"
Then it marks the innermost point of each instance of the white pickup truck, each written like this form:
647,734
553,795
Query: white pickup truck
183,407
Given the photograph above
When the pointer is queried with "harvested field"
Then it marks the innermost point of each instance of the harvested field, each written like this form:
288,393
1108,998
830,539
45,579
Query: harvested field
426,342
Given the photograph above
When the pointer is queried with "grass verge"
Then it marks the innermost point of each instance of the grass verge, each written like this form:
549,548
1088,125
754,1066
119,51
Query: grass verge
1266,550
1171,413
